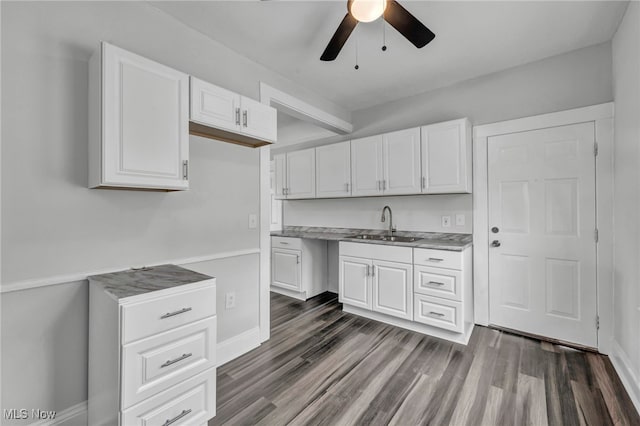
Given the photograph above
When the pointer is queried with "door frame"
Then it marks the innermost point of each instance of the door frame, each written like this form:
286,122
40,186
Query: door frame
602,117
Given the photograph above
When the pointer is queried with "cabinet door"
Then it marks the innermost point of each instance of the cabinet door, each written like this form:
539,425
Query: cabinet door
393,289
145,122
214,106
446,157
301,174
280,169
259,120
333,170
366,166
286,268
354,283
401,153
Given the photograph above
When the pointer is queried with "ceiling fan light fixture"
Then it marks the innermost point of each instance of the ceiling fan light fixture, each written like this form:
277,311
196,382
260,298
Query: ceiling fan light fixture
366,10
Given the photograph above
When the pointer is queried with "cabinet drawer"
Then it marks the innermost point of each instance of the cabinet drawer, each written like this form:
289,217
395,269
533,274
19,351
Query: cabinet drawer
156,363
438,282
438,312
438,258
192,402
286,242
376,251
143,319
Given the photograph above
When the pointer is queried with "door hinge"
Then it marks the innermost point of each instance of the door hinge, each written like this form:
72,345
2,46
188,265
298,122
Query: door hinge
597,322
595,149
596,235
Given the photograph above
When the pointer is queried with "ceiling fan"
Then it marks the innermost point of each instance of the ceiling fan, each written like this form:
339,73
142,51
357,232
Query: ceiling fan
370,10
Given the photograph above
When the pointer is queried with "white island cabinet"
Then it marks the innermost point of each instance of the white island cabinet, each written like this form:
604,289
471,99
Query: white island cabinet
152,347
138,122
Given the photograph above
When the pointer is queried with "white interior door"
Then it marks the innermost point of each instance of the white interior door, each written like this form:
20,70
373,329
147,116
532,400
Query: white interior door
542,259
286,268
366,166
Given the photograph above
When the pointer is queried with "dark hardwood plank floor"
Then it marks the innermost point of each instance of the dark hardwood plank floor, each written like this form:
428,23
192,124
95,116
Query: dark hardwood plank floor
326,367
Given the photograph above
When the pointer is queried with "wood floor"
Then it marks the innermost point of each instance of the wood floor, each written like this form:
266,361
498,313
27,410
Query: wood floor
326,367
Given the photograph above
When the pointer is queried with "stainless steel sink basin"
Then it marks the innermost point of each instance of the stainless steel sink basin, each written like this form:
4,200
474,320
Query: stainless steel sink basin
394,238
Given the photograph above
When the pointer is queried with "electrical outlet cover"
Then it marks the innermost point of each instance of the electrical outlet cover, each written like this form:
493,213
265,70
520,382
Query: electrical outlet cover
446,221
460,220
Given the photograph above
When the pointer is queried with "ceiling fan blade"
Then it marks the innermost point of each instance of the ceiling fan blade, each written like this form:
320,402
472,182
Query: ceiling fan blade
407,24
339,38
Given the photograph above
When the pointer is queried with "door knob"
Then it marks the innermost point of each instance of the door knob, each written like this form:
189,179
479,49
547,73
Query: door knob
495,230
495,243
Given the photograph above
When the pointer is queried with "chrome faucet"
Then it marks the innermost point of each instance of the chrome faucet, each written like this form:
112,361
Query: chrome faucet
383,219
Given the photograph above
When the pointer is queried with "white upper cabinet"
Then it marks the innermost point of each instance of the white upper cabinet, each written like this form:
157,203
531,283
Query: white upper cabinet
139,122
280,175
446,157
401,153
214,106
301,174
367,171
333,170
218,113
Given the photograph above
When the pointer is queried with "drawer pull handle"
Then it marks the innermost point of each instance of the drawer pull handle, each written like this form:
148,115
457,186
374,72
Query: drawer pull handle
435,259
173,361
173,314
283,243
436,314
178,417
435,283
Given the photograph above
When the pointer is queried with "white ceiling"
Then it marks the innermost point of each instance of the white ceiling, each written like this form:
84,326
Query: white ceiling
472,39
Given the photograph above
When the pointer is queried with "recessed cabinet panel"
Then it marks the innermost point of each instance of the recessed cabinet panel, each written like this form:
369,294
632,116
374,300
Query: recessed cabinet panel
401,162
355,285
301,174
333,170
214,106
366,166
286,269
139,122
393,289
446,157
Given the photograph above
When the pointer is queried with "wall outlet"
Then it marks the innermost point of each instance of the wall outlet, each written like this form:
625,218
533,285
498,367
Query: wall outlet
459,220
230,300
446,221
253,221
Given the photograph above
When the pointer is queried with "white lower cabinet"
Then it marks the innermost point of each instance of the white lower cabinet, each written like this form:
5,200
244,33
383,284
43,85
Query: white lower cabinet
401,286
152,348
370,283
298,267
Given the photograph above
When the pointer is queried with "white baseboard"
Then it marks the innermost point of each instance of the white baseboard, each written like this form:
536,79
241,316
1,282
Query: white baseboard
622,365
232,348
295,294
73,416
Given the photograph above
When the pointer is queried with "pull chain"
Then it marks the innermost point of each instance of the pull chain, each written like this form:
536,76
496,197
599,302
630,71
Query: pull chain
357,66
384,36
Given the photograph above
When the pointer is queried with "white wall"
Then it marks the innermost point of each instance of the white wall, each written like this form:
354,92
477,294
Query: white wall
54,226
626,84
410,212
571,80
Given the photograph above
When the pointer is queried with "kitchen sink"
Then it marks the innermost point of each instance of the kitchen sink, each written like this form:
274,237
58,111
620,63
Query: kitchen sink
391,238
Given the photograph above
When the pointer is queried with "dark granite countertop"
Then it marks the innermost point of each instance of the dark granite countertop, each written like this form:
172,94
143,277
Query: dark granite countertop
134,282
432,240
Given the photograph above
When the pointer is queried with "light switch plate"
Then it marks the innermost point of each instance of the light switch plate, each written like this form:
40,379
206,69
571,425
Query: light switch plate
460,220
253,221
446,221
